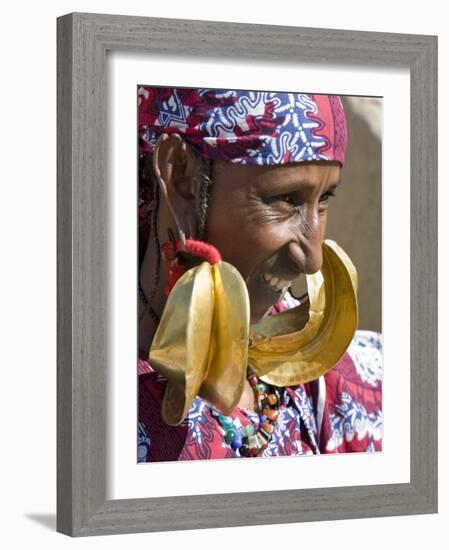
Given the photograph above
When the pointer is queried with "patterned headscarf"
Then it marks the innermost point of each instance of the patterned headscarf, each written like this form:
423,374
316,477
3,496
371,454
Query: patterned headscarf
245,127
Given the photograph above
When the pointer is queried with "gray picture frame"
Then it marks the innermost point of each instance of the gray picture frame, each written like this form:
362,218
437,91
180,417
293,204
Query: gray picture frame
82,305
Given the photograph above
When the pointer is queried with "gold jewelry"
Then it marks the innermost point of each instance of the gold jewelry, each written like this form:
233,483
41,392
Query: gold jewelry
201,343
204,343
303,343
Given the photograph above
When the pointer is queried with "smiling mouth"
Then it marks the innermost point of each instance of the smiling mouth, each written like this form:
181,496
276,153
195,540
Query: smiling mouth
275,283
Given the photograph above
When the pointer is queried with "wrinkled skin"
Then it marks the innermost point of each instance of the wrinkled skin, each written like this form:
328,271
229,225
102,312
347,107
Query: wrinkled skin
270,220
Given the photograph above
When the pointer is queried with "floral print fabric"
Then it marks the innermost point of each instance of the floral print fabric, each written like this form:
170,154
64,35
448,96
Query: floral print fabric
339,412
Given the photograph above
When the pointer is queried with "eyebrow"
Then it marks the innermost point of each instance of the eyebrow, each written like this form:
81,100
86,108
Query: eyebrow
308,184
334,186
285,187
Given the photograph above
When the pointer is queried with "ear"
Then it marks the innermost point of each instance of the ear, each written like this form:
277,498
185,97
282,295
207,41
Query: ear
175,166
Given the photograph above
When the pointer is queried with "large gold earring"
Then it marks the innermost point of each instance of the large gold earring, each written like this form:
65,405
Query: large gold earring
301,344
204,343
201,343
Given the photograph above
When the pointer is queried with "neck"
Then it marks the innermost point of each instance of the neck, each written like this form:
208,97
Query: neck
248,399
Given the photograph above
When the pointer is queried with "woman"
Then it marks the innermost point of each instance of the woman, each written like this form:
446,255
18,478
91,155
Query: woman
234,192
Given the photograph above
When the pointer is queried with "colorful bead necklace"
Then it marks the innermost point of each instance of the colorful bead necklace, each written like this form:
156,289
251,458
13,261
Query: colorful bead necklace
252,440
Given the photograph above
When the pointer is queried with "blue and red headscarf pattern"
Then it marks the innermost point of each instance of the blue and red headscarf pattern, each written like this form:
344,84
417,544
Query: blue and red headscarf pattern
245,127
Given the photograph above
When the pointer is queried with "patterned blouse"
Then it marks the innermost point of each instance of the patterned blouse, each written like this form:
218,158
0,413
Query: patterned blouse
339,412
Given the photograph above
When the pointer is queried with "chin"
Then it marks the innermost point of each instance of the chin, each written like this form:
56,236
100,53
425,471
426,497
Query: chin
261,298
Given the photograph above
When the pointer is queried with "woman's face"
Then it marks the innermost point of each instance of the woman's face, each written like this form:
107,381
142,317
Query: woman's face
269,222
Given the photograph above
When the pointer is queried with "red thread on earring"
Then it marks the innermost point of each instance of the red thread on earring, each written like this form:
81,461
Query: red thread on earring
199,248
173,266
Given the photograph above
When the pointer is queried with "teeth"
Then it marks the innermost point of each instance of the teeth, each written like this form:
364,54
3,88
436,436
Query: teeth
276,282
283,283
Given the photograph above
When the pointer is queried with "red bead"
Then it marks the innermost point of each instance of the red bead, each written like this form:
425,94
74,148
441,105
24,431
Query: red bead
255,451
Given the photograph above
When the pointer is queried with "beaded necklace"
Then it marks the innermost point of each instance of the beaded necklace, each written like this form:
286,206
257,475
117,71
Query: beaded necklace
252,440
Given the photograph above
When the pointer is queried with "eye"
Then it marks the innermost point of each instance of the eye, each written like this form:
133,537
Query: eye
285,199
325,197
292,200
289,197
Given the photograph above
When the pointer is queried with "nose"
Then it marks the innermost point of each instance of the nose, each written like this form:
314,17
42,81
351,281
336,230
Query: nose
306,251
306,261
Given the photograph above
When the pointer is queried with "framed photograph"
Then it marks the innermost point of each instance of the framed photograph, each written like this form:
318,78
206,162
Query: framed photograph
157,269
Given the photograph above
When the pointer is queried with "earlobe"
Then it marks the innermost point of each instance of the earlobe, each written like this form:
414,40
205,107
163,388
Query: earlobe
174,167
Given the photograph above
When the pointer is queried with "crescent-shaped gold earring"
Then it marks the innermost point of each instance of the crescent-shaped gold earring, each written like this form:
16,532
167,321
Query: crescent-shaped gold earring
283,355
204,343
